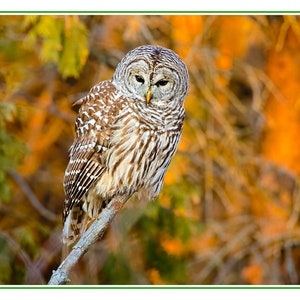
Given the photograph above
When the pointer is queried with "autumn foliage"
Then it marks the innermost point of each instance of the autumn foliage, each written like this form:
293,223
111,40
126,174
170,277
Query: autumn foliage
229,209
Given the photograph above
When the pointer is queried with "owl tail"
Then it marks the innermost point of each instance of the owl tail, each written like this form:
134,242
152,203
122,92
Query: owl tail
75,225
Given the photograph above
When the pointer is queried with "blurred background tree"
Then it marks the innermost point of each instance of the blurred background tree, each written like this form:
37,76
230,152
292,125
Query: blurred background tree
229,209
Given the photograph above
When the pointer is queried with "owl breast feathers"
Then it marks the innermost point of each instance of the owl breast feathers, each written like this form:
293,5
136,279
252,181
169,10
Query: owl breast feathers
127,131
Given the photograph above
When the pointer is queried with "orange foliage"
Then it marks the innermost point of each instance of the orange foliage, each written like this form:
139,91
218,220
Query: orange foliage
253,274
224,62
205,244
241,33
41,132
176,170
155,277
172,246
171,177
281,143
185,30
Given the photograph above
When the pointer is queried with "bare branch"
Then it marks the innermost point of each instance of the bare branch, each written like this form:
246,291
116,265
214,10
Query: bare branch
95,232
50,249
31,197
17,249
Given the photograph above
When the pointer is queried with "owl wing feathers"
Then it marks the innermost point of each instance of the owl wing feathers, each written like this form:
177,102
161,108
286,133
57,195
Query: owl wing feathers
93,133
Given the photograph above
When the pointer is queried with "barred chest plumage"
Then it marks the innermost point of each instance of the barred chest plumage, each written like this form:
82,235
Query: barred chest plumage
140,151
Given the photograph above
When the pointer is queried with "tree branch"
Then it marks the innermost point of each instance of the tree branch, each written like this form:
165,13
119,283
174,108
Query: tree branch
17,249
95,232
32,197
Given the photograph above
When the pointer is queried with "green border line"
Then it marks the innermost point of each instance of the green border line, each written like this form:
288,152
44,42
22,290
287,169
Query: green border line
45,287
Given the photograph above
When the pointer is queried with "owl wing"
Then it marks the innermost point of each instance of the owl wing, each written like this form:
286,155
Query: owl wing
93,133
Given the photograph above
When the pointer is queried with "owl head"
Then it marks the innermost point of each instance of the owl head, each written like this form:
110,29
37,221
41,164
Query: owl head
153,75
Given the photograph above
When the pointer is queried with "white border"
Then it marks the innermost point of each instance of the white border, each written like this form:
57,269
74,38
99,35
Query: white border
132,294
154,5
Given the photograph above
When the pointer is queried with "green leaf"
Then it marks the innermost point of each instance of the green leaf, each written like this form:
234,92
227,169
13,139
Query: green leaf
75,50
51,30
12,150
61,40
5,262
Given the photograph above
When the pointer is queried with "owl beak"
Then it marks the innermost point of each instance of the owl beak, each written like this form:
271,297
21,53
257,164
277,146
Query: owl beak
148,95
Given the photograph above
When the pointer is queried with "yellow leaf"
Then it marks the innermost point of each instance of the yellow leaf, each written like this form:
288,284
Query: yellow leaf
155,277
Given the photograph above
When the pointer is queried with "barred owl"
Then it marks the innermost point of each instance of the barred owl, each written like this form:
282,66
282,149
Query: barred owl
127,131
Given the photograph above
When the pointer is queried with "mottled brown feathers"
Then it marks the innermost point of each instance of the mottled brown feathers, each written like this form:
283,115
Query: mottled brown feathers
123,143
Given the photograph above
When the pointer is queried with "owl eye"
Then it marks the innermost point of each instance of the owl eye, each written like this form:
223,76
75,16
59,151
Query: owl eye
162,83
139,79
